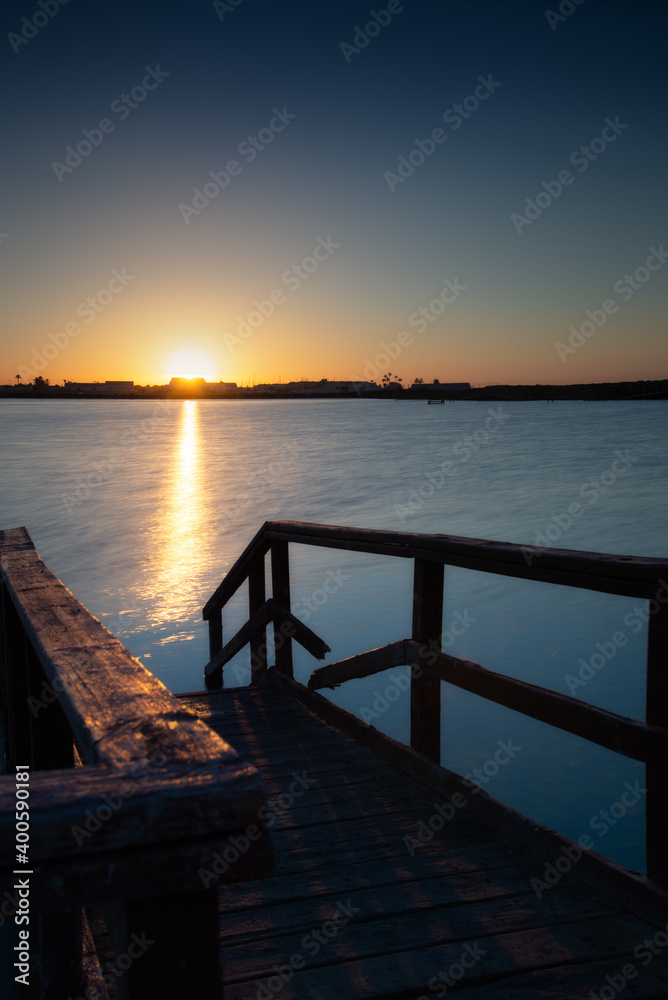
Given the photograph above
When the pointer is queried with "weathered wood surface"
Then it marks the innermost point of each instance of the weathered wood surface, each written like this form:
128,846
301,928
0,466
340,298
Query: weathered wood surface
404,916
161,797
642,895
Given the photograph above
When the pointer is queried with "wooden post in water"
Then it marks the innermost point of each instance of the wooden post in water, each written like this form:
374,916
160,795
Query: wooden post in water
280,587
427,627
656,774
256,598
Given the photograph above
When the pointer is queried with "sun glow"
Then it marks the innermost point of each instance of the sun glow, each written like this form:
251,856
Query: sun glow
191,363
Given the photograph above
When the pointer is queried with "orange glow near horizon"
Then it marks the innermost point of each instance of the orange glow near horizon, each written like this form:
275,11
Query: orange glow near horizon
190,362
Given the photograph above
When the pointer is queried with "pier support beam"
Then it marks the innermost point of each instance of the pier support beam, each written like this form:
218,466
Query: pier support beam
426,689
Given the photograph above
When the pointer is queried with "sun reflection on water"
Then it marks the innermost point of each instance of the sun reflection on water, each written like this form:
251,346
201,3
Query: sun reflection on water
179,529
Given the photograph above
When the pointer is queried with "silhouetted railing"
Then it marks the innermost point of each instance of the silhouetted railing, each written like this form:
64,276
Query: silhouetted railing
624,575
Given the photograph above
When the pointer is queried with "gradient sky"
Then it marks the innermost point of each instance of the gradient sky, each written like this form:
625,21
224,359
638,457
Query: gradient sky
229,66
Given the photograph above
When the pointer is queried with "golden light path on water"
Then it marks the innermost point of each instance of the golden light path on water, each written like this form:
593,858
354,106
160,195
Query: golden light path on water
179,530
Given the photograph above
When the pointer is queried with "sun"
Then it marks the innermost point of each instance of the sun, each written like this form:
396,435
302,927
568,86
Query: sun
190,363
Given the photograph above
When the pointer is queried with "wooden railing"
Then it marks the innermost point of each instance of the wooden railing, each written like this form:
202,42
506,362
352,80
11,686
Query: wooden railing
159,798
624,575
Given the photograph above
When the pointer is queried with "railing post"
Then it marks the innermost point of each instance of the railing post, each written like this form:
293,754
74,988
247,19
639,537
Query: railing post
171,944
427,628
15,684
214,681
280,588
256,598
656,773
51,742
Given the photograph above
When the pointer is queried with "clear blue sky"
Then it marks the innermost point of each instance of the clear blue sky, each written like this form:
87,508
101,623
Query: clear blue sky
219,74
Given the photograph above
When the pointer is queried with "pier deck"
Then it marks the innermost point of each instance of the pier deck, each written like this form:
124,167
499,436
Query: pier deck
356,911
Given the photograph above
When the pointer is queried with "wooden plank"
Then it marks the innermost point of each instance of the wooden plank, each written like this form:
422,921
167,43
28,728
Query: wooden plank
280,589
615,732
473,872
117,709
386,931
591,981
360,665
408,972
427,626
641,895
466,903
656,773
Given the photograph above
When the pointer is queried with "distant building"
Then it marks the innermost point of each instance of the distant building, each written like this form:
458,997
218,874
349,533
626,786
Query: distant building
200,387
100,387
306,388
443,386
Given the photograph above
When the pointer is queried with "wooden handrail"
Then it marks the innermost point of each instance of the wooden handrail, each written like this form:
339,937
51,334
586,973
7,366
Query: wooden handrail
614,574
124,831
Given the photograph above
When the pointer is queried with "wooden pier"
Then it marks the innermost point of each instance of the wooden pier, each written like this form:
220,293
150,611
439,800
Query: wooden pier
266,831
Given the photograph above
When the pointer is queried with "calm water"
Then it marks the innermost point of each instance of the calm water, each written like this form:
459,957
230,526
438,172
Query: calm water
142,507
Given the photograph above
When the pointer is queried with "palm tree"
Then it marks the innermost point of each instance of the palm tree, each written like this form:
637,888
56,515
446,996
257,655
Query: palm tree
18,379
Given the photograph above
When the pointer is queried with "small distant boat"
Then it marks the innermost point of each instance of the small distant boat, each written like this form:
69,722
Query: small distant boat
430,401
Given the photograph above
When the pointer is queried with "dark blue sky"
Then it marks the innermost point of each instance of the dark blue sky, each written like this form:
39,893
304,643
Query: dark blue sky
197,278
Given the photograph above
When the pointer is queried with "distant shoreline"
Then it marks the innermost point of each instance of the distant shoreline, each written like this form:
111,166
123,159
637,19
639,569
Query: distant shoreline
591,391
